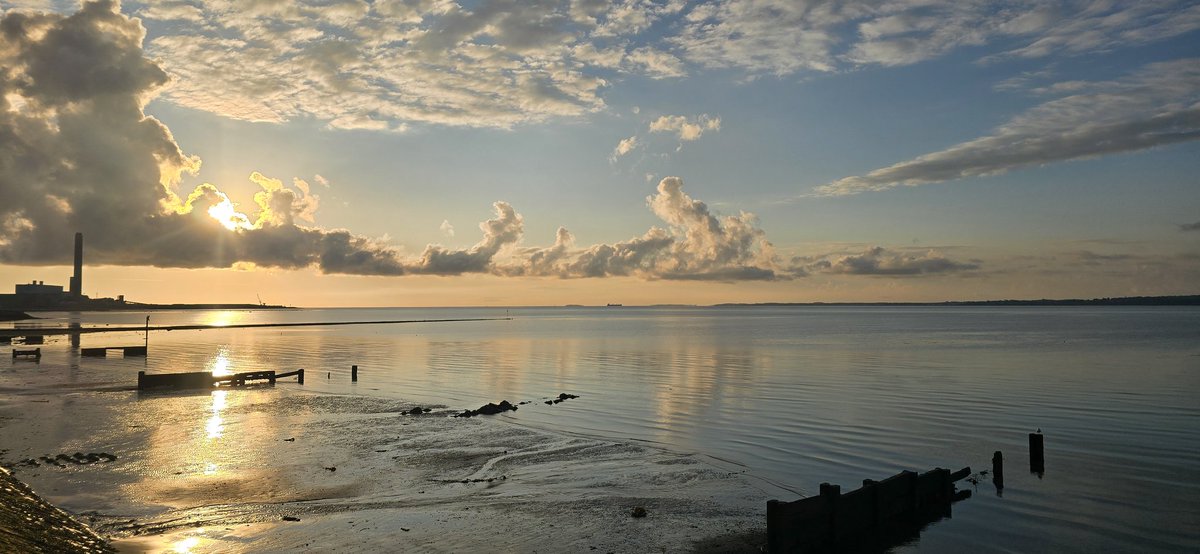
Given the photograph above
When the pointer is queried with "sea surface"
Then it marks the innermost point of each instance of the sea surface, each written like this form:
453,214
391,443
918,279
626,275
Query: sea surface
793,396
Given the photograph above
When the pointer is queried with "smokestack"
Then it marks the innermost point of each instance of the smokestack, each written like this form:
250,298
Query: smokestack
77,279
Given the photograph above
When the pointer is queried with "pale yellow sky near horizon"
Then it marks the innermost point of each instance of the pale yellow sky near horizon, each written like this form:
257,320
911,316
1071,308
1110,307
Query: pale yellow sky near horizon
309,288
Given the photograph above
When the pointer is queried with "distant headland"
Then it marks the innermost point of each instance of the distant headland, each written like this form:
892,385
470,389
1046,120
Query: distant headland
38,296
1187,300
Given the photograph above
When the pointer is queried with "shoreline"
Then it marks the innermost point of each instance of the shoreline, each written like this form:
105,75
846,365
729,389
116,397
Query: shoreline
50,331
30,524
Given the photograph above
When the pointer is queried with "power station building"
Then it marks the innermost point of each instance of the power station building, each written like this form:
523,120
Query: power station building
39,295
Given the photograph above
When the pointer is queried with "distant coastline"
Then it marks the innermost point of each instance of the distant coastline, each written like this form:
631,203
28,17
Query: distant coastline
14,315
110,305
137,306
1187,300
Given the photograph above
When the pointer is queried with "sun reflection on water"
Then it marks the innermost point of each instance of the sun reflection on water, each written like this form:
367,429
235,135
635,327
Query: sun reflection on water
219,364
223,318
185,546
214,426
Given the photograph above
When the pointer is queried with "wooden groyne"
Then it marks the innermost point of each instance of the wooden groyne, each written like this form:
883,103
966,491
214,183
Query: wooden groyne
869,516
205,380
35,353
102,351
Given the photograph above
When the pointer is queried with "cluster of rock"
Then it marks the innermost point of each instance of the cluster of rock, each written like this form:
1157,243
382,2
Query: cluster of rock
561,397
490,408
78,458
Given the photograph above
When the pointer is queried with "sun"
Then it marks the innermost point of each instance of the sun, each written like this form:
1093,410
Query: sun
226,214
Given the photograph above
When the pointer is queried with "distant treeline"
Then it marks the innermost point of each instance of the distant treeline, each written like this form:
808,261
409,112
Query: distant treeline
1192,300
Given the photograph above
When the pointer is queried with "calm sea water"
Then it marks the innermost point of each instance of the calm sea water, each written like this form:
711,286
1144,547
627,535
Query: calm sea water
795,395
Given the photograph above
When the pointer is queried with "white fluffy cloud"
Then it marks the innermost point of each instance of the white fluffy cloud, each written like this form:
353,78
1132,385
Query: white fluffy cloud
684,128
625,146
695,245
1157,105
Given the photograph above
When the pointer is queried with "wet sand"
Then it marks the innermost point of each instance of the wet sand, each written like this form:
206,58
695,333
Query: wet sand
276,469
30,524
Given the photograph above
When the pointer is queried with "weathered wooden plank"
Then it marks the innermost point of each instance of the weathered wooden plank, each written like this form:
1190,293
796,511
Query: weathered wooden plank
31,353
896,496
864,518
189,380
804,523
133,350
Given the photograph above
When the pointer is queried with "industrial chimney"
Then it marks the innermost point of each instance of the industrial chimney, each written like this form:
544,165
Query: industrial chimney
77,279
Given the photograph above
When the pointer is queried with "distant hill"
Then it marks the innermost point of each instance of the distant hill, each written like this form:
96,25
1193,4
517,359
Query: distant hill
1191,300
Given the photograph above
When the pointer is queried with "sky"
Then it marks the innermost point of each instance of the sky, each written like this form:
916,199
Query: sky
547,152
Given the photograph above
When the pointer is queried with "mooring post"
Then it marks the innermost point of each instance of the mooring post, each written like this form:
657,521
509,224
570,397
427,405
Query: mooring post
300,376
831,493
998,470
354,373
1037,455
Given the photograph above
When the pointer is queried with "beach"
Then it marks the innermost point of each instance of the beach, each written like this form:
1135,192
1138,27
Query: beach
361,474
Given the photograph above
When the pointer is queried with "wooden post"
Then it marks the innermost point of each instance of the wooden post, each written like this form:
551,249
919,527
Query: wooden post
354,374
1037,455
998,470
831,493
300,376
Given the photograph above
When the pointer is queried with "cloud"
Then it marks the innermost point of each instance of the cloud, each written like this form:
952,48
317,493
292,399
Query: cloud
686,129
696,245
782,37
1157,105
1190,226
880,261
87,158
503,230
446,228
92,161
390,65
625,146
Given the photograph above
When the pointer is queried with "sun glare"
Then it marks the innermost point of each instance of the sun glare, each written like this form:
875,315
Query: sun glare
226,214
